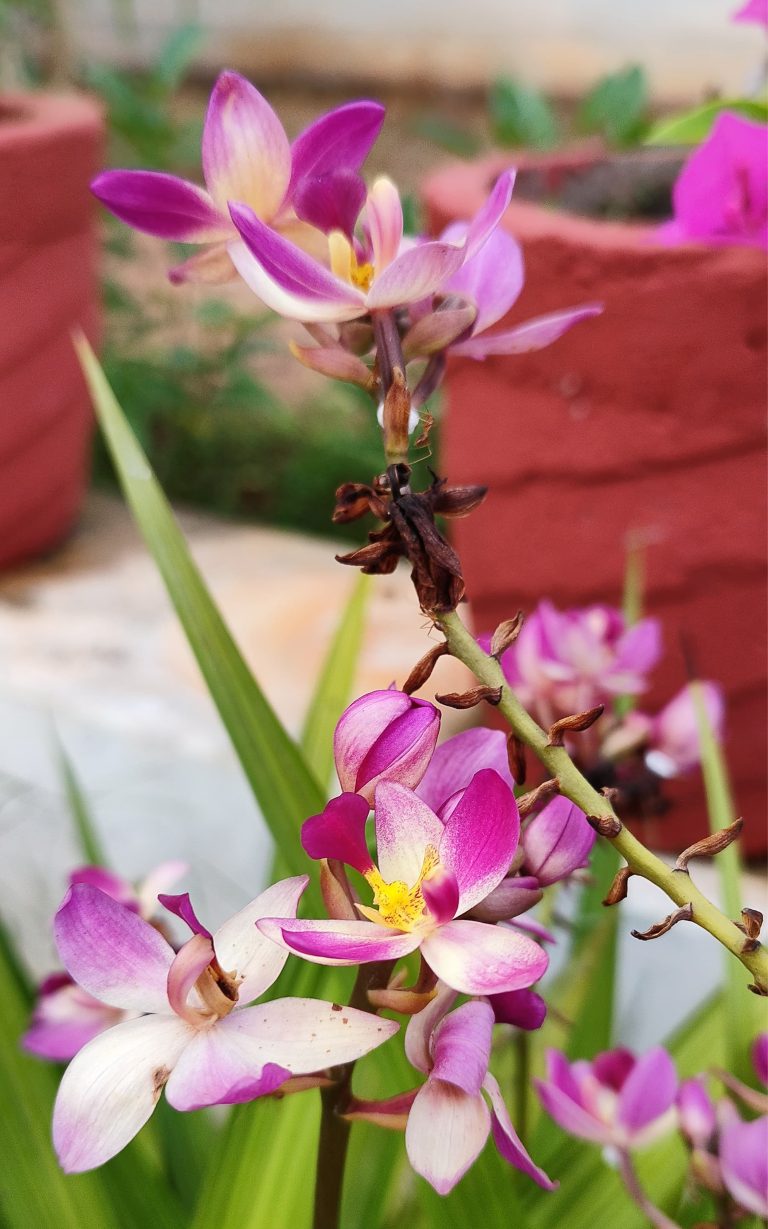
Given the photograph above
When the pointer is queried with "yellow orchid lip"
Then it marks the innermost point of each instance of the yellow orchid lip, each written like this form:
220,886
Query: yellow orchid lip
397,904
344,262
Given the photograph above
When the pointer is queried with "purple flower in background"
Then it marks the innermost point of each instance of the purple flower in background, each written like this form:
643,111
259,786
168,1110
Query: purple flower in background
753,10
616,1100
384,736
721,194
65,1016
674,743
449,1121
378,274
557,841
491,282
568,661
760,1058
429,873
195,1036
247,157
744,1163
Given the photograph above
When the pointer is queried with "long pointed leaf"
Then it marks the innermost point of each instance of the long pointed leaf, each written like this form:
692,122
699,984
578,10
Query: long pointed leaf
90,845
281,781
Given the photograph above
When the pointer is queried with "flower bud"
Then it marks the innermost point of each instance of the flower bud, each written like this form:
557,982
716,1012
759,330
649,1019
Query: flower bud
557,841
384,736
696,1112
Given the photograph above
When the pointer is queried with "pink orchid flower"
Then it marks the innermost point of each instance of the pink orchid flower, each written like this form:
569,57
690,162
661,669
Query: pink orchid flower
696,1112
753,11
196,1037
384,735
455,762
491,282
568,661
247,157
447,1121
429,873
66,1017
721,194
675,745
616,1100
377,274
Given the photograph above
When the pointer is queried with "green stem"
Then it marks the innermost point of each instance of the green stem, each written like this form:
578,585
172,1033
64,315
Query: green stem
655,1216
334,1129
676,884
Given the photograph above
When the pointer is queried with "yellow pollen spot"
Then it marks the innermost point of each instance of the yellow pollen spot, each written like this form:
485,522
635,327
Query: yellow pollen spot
344,263
396,903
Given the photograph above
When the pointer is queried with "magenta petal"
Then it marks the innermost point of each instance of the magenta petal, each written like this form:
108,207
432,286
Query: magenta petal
461,1046
65,1019
340,139
416,273
481,837
696,1112
384,733
507,1140
339,832
753,11
571,1116
522,1008
488,217
455,762
246,155
523,338
189,962
513,896
293,284
744,1164
330,202
441,894
111,952
181,906
721,195
613,1067
492,279
479,959
648,1092
161,205
557,841
114,885
339,942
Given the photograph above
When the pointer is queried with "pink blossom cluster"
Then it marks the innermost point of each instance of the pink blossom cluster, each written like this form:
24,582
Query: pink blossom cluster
453,879
296,222
570,661
625,1103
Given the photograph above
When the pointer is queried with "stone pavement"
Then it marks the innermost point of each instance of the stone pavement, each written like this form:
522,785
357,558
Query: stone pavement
92,654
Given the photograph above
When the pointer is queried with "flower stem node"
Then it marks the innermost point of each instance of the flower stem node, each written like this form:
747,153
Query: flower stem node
605,825
574,724
710,845
468,699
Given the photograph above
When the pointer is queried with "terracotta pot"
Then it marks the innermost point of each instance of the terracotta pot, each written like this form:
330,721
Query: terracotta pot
50,148
647,423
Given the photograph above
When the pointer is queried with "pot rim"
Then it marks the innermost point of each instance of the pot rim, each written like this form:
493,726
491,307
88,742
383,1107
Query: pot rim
28,117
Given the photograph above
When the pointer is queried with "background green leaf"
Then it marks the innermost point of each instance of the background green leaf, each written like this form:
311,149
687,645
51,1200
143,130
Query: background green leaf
616,107
521,116
693,127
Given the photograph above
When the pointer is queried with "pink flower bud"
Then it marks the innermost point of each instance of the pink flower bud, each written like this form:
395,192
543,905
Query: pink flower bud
696,1112
557,841
384,736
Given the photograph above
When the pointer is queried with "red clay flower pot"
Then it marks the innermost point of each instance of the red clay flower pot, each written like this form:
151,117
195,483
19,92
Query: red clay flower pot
647,423
50,148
